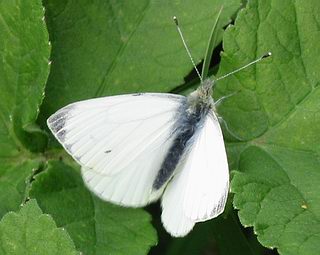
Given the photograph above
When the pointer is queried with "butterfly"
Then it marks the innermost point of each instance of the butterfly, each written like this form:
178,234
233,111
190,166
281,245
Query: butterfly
137,148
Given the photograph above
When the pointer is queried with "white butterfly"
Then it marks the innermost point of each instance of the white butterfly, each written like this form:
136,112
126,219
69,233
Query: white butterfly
134,149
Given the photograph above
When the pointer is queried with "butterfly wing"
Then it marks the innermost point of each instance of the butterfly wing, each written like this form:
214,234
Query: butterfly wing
120,142
199,189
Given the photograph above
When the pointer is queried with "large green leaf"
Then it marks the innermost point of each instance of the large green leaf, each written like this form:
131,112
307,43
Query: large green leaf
24,54
30,232
114,47
275,122
95,226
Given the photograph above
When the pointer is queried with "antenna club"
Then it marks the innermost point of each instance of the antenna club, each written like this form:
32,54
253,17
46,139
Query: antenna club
175,19
245,66
268,54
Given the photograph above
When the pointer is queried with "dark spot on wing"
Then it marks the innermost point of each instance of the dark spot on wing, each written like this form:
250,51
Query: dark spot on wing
58,115
137,94
61,135
107,151
58,121
186,126
58,124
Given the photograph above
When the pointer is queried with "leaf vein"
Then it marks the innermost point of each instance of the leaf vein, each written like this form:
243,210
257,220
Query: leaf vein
121,50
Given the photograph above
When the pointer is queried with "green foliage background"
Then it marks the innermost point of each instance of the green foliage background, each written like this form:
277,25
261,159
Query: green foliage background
56,52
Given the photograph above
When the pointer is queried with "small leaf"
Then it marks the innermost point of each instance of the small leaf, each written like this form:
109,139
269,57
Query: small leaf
95,226
31,232
13,183
274,195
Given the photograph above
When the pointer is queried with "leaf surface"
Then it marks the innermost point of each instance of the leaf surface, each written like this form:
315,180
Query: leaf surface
30,232
275,115
114,47
96,227
24,54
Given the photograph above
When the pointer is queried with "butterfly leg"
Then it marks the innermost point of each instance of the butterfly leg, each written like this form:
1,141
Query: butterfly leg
218,102
222,121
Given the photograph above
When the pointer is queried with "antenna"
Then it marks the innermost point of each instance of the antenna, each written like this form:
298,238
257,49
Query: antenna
186,47
247,65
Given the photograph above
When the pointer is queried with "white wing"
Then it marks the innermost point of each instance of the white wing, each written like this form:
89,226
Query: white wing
199,190
120,142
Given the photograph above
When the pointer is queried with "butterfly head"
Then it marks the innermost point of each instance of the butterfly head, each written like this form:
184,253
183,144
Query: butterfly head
205,91
202,95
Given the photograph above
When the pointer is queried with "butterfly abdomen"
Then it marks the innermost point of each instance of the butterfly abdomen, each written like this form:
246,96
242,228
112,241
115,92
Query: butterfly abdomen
187,124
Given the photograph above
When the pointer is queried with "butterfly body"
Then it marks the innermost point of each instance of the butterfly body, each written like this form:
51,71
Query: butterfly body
189,120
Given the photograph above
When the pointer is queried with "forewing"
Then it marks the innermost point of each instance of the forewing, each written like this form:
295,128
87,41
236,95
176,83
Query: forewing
199,189
119,141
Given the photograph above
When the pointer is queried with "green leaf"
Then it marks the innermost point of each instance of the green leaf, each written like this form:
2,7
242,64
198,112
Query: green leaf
275,196
115,47
276,116
95,226
213,39
24,53
13,183
31,232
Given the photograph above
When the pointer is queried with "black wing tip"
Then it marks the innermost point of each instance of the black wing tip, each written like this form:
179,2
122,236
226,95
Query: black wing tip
57,121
